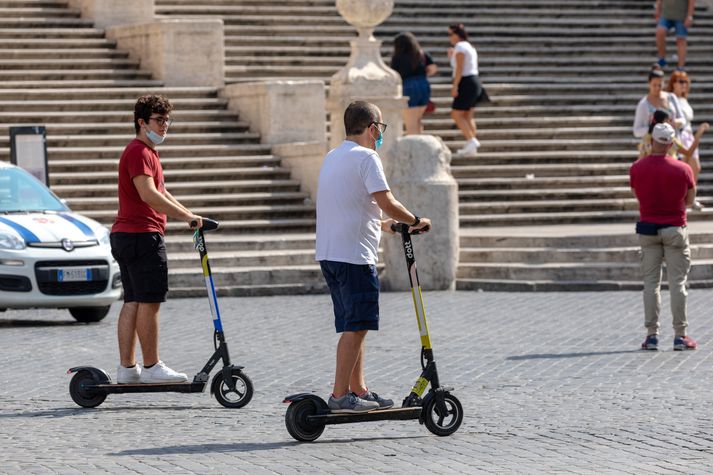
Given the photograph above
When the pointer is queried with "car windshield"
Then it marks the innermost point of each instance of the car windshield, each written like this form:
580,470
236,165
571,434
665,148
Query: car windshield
21,192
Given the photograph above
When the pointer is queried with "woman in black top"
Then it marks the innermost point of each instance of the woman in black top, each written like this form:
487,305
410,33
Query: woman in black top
413,64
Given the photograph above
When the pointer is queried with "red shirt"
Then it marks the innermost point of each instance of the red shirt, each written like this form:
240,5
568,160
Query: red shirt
661,184
135,216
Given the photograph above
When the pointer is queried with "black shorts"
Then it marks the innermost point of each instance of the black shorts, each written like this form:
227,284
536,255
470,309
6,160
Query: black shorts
469,90
143,264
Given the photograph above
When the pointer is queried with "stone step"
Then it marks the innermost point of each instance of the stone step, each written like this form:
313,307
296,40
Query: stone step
109,116
484,209
193,139
107,93
39,43
231,213
242,243
72,74
552,193
102,105
11,11
175,176
191,201
240,259
51,33
530,171
44,22
182,163
544,255
195,187
167,151
73,83
50,54
701,269
243,276
261,226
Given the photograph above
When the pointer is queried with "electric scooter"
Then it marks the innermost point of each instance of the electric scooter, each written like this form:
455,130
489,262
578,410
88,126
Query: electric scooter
232,388
439,410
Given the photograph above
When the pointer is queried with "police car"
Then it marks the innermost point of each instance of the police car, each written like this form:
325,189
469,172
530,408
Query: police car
51,257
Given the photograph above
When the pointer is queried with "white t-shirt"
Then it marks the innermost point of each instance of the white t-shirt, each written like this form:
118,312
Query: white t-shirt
348,218
470,60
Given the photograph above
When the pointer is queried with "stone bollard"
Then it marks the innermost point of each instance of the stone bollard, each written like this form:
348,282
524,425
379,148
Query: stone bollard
418,172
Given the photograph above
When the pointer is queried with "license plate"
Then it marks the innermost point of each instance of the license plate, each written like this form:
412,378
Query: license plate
79,274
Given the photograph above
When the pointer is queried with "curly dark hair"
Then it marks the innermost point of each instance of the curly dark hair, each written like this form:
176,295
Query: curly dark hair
150,104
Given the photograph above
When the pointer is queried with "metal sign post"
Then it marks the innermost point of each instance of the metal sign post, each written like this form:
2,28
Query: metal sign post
28,150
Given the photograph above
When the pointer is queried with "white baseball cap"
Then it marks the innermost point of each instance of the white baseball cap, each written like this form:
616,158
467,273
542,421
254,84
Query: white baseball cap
663,133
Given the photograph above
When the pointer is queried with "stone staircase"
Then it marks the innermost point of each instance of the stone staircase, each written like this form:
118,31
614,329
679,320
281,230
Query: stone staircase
58,70
564,76
556,140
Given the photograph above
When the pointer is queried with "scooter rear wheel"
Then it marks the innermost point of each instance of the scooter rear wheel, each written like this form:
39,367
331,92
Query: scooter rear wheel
443,424
81,394
232,399
297,424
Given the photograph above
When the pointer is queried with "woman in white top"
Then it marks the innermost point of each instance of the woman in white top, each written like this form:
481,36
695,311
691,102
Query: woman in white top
679,84
466,89
656,99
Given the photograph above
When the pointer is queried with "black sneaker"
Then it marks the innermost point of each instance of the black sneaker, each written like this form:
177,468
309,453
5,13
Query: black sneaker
351,403
383,403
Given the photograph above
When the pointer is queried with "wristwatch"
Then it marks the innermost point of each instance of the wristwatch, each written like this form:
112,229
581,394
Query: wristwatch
417,222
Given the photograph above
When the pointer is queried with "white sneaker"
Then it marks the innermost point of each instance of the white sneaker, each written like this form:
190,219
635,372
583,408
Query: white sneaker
471,148
160,373
126,375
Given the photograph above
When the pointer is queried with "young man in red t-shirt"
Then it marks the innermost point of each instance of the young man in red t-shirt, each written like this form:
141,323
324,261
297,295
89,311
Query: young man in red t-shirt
137,243
664,187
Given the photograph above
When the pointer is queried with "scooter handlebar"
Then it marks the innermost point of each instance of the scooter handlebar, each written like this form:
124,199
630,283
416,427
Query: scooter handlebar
400,227
208,224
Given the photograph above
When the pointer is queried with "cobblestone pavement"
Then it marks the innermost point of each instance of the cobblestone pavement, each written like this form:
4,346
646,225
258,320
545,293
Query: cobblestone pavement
550,383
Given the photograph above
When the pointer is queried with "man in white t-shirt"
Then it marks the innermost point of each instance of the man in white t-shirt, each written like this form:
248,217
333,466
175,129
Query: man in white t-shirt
351,194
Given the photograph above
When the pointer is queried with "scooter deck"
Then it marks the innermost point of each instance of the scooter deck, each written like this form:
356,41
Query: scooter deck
187,387
391,414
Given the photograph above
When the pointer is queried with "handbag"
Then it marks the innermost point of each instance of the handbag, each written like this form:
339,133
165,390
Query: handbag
430,107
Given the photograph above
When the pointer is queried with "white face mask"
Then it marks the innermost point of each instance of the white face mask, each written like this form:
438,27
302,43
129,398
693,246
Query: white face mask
154,137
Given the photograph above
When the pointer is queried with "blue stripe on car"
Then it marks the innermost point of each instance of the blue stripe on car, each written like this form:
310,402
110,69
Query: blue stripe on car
83,227
26,234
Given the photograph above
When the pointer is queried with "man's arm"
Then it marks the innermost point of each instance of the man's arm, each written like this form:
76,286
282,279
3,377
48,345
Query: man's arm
150,195
657,12
691,195
393,207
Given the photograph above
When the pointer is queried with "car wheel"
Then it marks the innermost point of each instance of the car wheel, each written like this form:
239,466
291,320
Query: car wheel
89,314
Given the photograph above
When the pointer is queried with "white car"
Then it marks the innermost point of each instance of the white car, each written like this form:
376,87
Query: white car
51,257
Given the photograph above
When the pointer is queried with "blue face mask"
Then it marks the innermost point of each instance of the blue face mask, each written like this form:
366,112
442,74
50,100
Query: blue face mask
154,137
379,141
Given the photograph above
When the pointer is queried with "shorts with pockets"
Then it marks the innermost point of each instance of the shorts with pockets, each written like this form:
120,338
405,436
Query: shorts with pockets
143,264
681,30
355,295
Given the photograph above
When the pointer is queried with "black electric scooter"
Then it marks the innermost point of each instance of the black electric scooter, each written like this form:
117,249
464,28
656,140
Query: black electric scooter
439,410
232,388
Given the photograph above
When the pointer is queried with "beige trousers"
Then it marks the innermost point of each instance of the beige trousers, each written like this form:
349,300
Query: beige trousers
671,246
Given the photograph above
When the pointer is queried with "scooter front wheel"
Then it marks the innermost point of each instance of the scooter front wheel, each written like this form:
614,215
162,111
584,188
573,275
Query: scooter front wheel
440,422
82,395
232,398
297,424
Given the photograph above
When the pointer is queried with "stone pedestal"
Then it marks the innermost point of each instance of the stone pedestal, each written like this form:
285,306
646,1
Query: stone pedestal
419,176
280,111
107,13
289,115
366,77
178,52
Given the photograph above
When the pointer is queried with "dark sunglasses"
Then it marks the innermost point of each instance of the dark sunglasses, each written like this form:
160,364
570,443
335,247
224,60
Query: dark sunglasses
379,125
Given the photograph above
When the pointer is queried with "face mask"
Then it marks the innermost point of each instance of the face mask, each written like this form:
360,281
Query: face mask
379,141
154,137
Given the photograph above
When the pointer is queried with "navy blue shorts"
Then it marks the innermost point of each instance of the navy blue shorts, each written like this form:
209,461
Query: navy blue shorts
418,91
355,295
681,30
